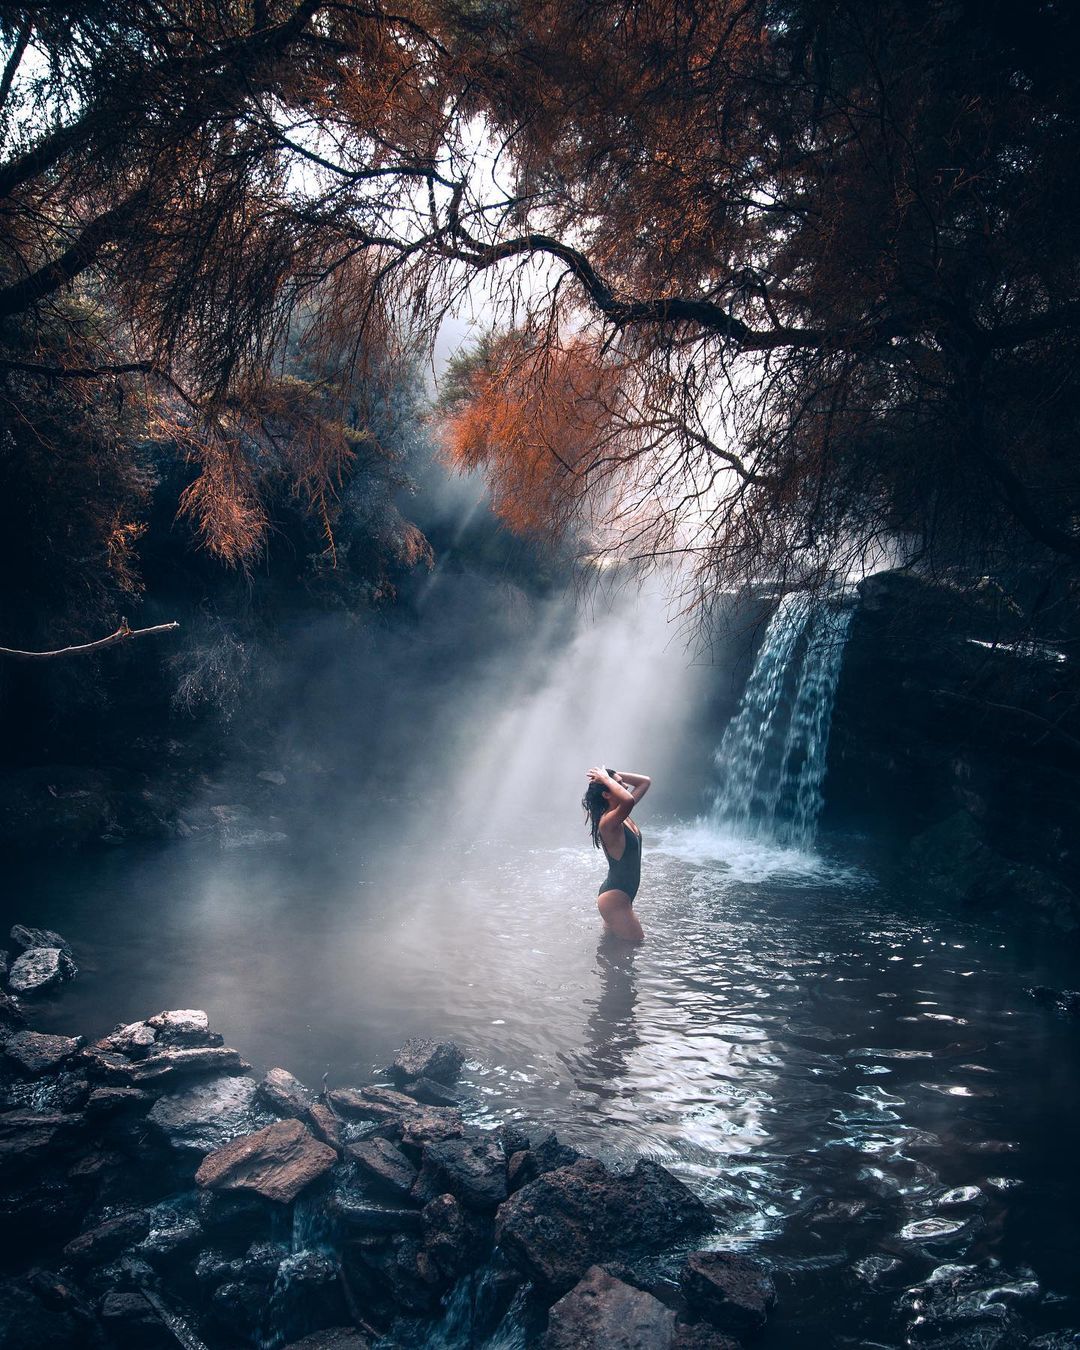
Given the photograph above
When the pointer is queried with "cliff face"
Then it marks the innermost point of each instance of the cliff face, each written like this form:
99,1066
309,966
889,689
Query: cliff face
960,742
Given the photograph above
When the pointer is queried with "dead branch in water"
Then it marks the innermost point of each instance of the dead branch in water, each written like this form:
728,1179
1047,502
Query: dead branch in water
121,635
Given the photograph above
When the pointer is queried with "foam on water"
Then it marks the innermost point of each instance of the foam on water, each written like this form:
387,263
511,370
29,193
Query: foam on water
745,857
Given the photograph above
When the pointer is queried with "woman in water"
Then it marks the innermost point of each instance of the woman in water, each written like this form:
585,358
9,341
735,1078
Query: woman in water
608,801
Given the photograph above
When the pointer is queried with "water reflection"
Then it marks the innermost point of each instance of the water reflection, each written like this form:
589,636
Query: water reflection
611,1028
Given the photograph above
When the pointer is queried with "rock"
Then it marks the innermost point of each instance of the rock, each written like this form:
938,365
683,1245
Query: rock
472,1168
429,1124
134,1040
385,1164
130,1321
4,961
334,1338
325,1125
377,1104
284,1094
37,1053
25,938
28,1137
604,1314
420,1058
11,1014
183,1026
174,1231
306,1293
456,1239
366,1216
733,1292
101,1244
277,1162
40,968
106,1066
208,1115
111,1101
168,1063
239,1304
567,1220
29,1322
701,1336
429,1092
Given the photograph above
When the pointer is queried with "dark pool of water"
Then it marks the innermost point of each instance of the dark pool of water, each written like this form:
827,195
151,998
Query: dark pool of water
851,1073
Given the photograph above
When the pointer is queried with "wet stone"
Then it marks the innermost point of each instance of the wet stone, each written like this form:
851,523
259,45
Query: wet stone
134,1040
456,1239
206,1116
40,968
365,1215
701,1336
11,1014
129,1320
333,1338
733,1292
385,1164
168,1063
472,1168
108,1239
420,1058
174,1231
429,1092
111,1101
603,1313
285,1095
34,1053
25,938
277,1162
325,1125
183,1026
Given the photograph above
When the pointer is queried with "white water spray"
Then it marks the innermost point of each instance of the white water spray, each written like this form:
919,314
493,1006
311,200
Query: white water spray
772,757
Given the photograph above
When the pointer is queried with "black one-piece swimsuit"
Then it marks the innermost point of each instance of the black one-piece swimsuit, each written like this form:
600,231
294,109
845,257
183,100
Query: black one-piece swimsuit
624,874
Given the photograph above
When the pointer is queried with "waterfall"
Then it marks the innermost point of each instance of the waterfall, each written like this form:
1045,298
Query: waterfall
771,760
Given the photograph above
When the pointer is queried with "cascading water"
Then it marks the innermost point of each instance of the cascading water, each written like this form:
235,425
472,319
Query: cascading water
772,757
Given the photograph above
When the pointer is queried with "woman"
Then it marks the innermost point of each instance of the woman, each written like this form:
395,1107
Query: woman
608,801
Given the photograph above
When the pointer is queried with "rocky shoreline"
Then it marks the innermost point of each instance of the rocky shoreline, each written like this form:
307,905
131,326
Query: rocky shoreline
156,1193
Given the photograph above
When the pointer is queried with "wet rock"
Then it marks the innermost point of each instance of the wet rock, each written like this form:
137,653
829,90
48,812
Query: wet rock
430,1124
108,1239
733,1292
333,1338
701,1336
71,1091
565,1221
429,1092
472,1168
166,1064
40,968
285,1095
325,1125
368,1216
236,1217
134,1040
27,1322
131,1322
240,1305
384,1164
400,1276
306,1293
25,938
35,1053
183,1026
604,1314
174,1231
456,1239
209,1115
28,1137
107,1066
375,1104
421,1058
277,1162
112,1101
11,1014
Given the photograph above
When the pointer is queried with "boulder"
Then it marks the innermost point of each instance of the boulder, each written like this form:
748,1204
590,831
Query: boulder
174,1232
701,1336
731,1291
429,1092
567,1220
210,1114
385,1164
285,1095
456,1239
40,968
277,1162
134,1040
101,1244
25,937
130,1321
183,1026
29,1137
11,1014
472,1168
420,1058
428,1124
325,1125
365,1216
334,1338
604,1314
35,1053
169,1063
112,1101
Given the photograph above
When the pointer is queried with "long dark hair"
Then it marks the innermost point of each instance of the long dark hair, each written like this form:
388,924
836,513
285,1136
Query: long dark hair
594,804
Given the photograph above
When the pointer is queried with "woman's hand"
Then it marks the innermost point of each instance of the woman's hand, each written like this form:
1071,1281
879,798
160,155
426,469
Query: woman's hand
599,776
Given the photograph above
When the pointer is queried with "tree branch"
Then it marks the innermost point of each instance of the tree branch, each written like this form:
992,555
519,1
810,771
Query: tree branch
121,635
